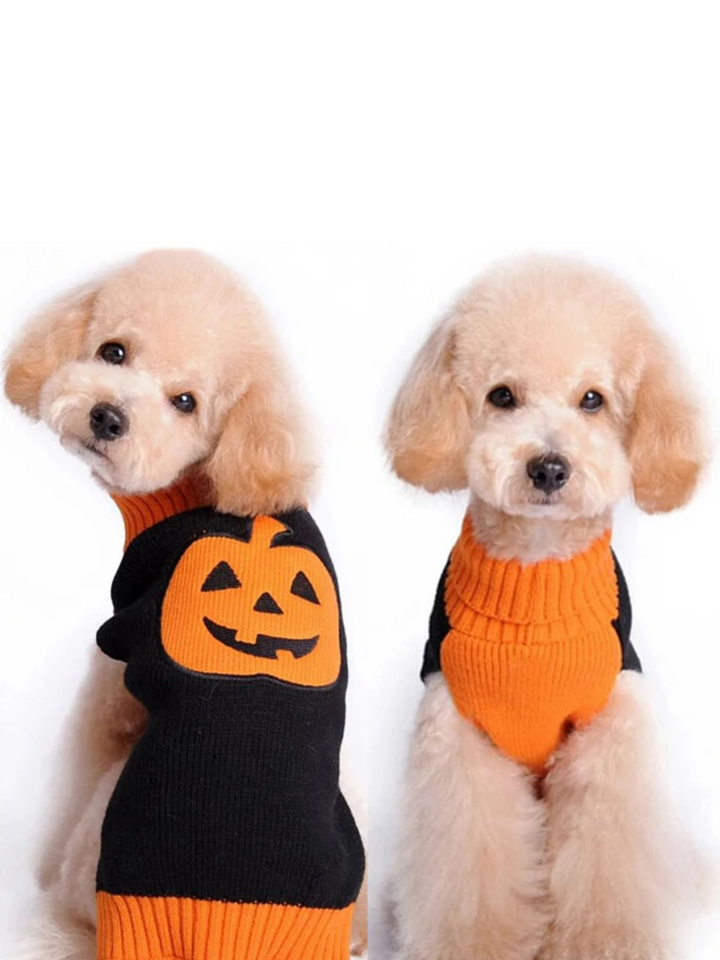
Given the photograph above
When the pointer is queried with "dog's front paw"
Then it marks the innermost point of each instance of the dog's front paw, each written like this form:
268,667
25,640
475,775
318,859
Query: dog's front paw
603,943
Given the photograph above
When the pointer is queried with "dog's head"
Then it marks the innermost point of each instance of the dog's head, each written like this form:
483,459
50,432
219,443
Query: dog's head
161,365
547,391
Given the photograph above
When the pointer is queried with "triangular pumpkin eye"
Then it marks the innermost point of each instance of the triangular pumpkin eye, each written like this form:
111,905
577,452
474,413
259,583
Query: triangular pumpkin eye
266,604
301,587
222,577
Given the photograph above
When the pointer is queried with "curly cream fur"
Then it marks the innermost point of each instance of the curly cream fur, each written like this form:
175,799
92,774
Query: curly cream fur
486,868
104,724
550,329
469,879
621,868
189,325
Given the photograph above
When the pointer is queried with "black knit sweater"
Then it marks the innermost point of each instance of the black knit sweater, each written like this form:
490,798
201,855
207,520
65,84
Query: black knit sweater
232,792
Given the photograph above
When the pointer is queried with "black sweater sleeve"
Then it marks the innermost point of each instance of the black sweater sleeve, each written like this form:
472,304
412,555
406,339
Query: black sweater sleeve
439,629
115,637
623,622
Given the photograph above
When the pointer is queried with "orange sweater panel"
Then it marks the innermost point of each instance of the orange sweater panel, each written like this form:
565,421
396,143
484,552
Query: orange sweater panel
532,650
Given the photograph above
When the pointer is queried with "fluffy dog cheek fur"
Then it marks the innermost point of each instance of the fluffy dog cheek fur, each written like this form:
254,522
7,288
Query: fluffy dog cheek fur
155,451
159,445
497,468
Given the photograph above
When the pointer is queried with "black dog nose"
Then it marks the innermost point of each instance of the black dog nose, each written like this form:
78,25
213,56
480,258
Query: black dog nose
108,422
549,473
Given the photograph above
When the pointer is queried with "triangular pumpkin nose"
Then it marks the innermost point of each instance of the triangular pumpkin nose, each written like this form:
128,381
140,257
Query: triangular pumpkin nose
266,604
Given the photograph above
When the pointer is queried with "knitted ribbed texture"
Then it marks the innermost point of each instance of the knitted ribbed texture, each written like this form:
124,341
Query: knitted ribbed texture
169,928
227,836
244,609
142,511
532,649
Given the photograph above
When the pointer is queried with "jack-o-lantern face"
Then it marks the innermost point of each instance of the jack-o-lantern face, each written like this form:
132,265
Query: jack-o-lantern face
257,608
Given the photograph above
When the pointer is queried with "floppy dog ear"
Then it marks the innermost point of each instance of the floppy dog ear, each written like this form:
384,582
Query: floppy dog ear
51,339
429,428
665,439
262,463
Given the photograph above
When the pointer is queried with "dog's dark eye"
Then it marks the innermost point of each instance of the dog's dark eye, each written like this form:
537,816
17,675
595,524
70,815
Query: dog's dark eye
184,402
502,397
592,401
112,353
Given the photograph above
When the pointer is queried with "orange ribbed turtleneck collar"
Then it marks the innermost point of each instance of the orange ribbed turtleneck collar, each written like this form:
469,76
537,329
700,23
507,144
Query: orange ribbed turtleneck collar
539,592
144,510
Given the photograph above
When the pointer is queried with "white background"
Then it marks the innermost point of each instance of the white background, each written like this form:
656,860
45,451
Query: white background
426,140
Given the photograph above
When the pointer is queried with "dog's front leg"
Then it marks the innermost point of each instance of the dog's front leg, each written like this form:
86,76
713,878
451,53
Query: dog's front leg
616,854
469,879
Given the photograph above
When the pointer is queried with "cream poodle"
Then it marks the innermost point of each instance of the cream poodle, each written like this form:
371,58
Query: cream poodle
534,822
162,369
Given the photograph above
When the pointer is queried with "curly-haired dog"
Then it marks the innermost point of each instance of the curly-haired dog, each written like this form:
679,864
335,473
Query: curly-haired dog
226,834
533,821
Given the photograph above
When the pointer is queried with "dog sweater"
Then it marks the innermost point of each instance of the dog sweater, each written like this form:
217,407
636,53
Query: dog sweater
530,652
227,836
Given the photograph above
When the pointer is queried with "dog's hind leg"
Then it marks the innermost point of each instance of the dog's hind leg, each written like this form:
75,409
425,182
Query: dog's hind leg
469,882
65,925
56,937
617,856
105,723
356,799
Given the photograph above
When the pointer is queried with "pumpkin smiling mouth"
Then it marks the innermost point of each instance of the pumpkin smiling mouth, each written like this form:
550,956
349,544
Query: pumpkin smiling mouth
265,646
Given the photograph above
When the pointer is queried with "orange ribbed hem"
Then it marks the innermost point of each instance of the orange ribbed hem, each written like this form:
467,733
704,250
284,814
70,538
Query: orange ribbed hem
144,510
174,928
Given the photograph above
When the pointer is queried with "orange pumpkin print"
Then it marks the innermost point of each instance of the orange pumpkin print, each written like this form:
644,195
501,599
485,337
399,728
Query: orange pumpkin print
256,608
